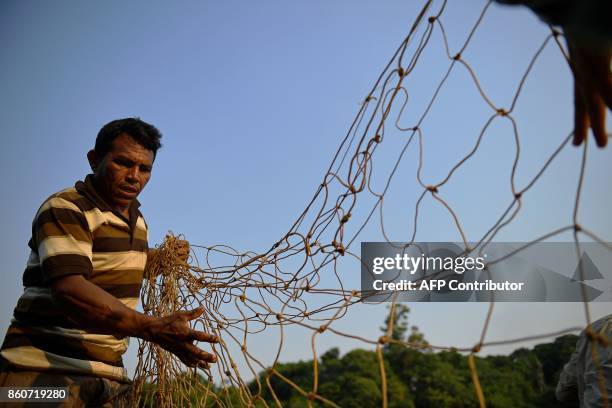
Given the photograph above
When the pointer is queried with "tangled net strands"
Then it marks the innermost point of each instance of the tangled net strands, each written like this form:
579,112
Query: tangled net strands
284,286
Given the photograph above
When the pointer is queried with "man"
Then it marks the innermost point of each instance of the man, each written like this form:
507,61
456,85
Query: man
587,378
83,277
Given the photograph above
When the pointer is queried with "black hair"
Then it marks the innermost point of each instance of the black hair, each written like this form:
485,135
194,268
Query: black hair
142,132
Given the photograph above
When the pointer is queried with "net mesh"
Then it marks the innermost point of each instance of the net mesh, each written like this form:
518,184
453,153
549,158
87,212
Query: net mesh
299,281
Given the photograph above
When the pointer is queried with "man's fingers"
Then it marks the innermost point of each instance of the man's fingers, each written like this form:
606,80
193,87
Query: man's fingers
602,75
202,365
592,88
201,336
200,355
208,357
597,118
594,60
581,119
596,87
192,314
192,356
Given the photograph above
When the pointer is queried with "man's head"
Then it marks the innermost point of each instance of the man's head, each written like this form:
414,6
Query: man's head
122,160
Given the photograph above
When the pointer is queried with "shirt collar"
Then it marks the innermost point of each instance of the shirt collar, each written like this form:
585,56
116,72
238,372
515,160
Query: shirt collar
88,189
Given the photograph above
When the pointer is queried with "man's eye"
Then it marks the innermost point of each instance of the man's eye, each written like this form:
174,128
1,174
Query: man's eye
145,169
123,163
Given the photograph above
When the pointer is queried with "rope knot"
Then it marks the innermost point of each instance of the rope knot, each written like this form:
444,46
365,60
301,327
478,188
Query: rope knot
457,56
477,348
431,19
432,189
378,138
502,112
345,218
340,249
577,227
322,328
401,72
383,340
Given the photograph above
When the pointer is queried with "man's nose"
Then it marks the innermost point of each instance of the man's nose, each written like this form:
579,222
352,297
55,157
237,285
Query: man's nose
133,174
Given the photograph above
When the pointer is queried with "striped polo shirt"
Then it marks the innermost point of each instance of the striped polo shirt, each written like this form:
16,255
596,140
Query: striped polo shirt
76,232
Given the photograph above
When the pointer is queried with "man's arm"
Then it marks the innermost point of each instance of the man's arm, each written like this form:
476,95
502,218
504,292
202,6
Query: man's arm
92,308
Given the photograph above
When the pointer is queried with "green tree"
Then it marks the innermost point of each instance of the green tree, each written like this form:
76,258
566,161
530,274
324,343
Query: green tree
400,322
420,377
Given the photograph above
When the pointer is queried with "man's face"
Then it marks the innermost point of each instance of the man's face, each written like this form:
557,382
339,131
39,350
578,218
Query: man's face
123,172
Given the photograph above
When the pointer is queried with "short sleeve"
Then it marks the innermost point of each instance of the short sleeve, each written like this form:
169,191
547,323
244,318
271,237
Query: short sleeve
62,238
567,387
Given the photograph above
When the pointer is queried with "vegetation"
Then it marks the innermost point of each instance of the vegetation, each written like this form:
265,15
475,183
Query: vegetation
418,377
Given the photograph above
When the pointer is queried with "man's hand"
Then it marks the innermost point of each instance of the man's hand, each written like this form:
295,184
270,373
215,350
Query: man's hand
174,334
586,27
592,87
92,308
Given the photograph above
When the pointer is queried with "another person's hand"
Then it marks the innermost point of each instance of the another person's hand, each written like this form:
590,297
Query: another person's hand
586,27
590,64
174,334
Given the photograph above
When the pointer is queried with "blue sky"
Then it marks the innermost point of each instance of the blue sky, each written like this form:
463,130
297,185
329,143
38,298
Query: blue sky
254,98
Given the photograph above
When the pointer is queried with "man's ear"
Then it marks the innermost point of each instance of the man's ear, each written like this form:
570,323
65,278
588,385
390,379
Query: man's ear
92,157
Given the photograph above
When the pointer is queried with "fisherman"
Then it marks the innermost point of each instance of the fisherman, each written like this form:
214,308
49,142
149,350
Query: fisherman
82,281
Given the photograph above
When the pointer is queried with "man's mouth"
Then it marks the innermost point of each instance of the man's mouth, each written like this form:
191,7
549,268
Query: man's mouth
129,190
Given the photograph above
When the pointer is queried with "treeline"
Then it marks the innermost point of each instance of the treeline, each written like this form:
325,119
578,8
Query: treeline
416,377
525,378
422,378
